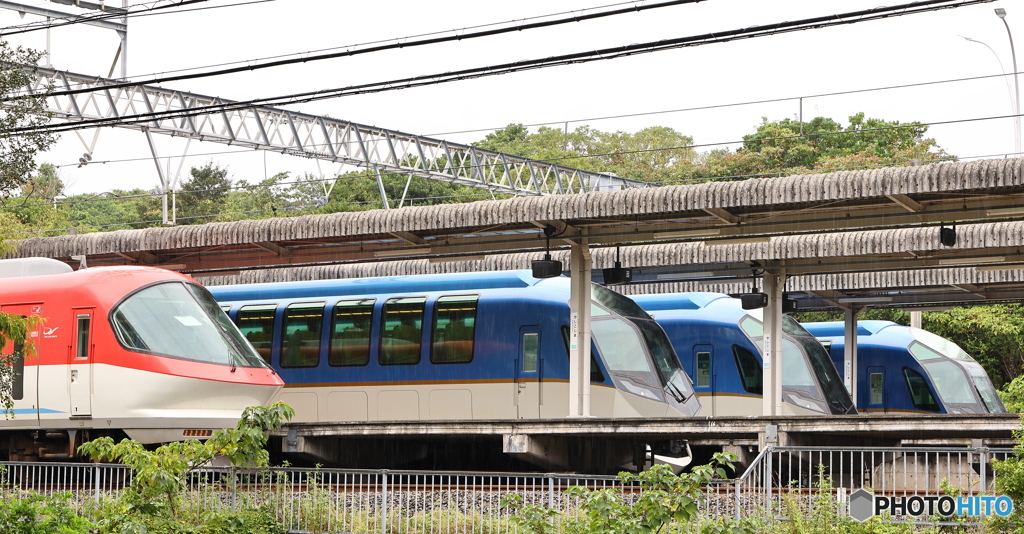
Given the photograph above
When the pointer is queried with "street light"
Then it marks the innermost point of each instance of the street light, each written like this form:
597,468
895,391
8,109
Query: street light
1009,87
1001,13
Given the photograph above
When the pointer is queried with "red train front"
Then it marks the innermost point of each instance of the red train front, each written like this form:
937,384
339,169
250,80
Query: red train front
136,350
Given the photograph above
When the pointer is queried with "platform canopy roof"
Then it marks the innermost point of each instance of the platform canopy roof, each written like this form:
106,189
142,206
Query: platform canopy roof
850,225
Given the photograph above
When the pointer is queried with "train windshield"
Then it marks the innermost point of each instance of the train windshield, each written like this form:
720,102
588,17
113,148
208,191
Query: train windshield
832,387
619,343
181,321
951,374
809,378
984,387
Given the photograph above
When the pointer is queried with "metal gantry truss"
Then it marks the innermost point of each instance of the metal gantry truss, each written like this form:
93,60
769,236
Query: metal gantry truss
205,118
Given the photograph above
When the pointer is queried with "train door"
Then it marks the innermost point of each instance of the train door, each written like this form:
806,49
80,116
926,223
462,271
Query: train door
704,377
80,363
876,390
529,371
25,385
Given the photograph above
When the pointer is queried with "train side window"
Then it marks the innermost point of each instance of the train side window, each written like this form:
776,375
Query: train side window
300,346
454,329
350,333
18,384
920,395
257,325
402,331
750,370
82,335
595,372
531,346
703,370
875,385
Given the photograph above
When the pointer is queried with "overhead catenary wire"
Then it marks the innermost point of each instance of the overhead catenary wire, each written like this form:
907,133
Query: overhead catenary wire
478,72
399,43
84,19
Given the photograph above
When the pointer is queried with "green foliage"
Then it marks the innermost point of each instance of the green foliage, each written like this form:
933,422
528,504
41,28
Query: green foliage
17,152
159,476
1009,481
32,513
14,331
203,196
823,145
993,335
654,154
665,499
259,520
1012,395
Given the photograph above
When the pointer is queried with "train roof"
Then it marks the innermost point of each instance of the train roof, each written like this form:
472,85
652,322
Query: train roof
838,328
105,284
679,301
19,267
695,307
419,283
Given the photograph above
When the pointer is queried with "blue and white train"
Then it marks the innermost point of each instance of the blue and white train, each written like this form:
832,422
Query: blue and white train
909,370
719,344
453,346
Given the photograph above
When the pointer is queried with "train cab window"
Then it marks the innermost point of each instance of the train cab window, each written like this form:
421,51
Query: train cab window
300,344
402,331
454,329
920,395
257,325
750,370
751,327
595,372
703,370
82,335
350,333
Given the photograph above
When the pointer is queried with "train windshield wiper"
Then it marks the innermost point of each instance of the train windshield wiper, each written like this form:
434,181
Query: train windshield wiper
673,390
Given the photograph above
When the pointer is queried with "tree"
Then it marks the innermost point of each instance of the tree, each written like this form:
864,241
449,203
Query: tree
656,154
17,161
823,145
18,150
203,196
258,201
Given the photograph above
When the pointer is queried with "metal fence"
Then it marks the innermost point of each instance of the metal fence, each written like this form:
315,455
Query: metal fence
343,500
801,474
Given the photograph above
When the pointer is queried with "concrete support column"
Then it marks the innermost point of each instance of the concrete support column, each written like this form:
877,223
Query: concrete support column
850,352
580,264
915,319
771,352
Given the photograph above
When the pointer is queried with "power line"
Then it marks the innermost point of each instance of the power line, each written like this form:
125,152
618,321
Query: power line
479,72
83,19
396,39
736,104
391,46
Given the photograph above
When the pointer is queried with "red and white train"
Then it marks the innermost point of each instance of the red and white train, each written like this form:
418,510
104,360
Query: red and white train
135,351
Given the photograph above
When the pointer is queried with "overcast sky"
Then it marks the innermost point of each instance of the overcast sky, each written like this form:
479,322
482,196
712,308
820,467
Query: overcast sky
900,50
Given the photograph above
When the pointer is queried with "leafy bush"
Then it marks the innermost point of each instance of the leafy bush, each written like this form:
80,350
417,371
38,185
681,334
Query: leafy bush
666,501
32,513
